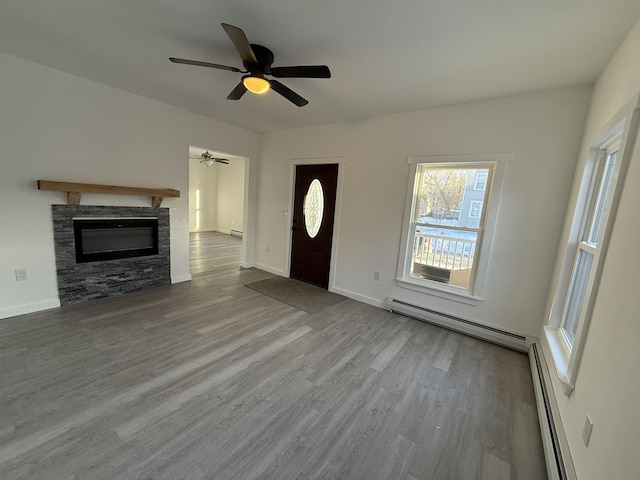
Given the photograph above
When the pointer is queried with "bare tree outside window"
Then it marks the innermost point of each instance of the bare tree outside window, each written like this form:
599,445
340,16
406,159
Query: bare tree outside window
442,193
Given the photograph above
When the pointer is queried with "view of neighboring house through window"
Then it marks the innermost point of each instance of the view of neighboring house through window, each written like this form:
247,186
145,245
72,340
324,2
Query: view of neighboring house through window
447,222
476,208
480,182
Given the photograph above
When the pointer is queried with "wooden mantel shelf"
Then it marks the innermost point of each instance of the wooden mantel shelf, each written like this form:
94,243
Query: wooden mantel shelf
74,190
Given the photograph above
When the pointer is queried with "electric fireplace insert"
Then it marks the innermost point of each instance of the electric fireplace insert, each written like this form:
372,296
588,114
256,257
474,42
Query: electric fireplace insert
108,239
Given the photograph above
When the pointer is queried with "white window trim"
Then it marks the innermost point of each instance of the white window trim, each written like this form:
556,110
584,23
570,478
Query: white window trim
500,162
567,361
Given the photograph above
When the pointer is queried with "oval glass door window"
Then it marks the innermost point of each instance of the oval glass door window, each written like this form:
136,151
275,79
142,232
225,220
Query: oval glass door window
313,208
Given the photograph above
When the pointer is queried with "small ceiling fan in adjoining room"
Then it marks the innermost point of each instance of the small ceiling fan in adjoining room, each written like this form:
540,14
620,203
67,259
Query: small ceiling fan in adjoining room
208,159
257,62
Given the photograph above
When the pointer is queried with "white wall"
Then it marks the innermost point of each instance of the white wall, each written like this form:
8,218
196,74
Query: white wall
607,386
220,190
542,131
203,195
230,197
55,126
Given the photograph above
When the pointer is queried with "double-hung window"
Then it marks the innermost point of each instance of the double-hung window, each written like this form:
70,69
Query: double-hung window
447,224
588,230
589,246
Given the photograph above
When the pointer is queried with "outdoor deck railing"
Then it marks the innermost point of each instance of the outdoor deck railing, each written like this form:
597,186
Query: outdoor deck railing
443,252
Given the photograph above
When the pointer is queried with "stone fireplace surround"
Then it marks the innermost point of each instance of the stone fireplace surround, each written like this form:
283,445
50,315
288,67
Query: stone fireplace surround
78,282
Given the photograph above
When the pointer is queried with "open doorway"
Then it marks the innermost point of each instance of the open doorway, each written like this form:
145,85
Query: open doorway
216,208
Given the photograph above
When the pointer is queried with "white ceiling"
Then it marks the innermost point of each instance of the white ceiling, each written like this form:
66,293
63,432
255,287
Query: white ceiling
385,56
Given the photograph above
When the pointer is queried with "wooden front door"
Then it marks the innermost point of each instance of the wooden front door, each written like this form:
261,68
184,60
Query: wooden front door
312,230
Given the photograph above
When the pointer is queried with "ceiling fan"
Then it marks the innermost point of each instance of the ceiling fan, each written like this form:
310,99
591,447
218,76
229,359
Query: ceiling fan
257,62
208,159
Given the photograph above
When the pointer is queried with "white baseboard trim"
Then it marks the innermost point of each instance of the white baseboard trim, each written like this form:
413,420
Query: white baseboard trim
376,302
181,278
554,440
505,338
29,308
267,268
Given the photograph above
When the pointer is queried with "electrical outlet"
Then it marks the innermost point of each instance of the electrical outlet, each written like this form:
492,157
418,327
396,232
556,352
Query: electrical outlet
21,274
267,249
376,276
586,431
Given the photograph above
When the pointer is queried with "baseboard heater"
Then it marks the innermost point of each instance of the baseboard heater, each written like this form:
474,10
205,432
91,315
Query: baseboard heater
483,332
554,441
236,233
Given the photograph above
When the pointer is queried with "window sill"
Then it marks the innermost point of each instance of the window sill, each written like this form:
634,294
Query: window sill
450,293
560,356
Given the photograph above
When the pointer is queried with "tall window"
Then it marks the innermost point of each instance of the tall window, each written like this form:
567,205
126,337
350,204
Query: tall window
589,245
447,223
579,270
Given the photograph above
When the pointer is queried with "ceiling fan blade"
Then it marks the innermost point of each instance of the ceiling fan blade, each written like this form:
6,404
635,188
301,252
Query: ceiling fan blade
241,43
289,94
222,160
307,71
237,92
205,64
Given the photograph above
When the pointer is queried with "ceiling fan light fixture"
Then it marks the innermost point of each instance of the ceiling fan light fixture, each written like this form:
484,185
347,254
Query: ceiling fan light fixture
257,61
207,159
256,84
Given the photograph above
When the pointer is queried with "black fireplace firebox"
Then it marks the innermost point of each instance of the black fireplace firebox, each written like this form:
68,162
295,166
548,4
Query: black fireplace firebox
109,239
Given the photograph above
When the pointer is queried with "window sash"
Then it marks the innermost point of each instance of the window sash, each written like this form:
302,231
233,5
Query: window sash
447,227
578,292
604,182
482,213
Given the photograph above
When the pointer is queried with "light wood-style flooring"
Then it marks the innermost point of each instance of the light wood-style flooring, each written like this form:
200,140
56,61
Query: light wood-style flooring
211,380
